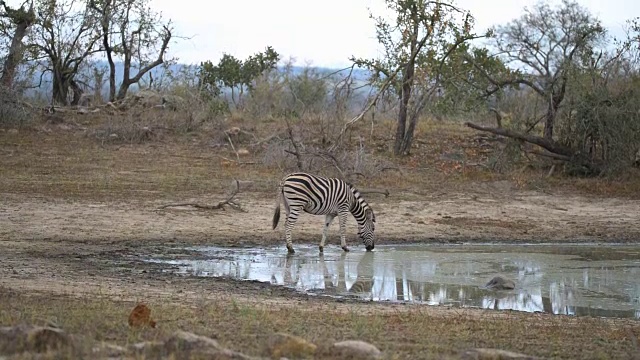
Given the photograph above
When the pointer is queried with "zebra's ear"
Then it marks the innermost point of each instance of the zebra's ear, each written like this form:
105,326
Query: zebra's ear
370,215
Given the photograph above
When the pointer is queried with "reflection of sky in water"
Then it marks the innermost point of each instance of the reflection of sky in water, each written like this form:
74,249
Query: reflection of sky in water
545,281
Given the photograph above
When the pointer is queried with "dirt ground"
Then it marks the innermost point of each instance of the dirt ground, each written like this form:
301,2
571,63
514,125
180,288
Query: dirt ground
71,242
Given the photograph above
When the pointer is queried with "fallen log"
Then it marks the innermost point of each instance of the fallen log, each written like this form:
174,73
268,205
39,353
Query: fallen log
554,150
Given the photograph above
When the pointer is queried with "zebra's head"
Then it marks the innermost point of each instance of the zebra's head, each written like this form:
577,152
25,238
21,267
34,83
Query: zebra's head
367,228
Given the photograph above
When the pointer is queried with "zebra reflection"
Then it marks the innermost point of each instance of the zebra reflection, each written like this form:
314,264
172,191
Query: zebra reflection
364,281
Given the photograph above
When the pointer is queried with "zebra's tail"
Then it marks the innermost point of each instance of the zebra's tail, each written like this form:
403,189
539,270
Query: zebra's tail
276,212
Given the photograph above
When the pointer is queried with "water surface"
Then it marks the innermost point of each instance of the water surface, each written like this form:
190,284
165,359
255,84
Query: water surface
591,280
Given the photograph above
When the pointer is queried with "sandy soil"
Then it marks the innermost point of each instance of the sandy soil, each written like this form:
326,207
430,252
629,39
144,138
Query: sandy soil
493,215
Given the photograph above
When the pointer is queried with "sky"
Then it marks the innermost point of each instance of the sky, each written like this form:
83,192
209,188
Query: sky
322,33
327,32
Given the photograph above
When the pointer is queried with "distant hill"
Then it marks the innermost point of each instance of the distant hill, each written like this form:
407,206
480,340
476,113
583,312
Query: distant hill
160,74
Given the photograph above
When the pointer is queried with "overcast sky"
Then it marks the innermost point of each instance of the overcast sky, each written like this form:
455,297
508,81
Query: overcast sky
326,32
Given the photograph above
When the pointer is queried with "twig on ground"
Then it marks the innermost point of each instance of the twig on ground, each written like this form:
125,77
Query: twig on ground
236,161
219,206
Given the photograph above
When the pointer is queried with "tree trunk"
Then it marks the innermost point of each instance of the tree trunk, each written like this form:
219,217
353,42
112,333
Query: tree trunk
22,19
127,80
60,87
98,76
549,120
77,92
407,83
112,68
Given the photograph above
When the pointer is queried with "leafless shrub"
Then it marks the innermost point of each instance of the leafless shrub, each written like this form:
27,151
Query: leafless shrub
124,130
13,113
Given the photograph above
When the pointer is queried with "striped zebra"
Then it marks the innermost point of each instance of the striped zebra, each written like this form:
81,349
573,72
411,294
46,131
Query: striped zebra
323,196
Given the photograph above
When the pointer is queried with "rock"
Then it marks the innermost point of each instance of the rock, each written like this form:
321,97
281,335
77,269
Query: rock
290,346
141,316
356,349
500,283
184,345
21,338
186,341
494,354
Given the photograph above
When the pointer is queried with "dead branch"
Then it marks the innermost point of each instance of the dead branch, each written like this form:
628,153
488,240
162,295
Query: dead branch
549,155
384,192
265,140
387,168
373,101
498,116
549,145
297,153
554,150
219,206
236,161
233,147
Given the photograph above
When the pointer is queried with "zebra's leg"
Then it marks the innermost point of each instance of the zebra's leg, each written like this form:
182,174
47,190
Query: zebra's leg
342,215
327,221
292,217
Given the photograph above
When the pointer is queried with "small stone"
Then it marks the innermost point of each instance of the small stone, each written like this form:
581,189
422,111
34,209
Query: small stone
285,345
500,283
356,349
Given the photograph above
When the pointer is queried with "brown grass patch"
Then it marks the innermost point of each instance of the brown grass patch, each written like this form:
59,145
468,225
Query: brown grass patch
411,333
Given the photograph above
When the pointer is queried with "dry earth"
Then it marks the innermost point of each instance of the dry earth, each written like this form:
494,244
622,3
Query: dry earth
88,250
76,217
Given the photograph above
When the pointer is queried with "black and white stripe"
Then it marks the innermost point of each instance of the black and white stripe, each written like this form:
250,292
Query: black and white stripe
324,196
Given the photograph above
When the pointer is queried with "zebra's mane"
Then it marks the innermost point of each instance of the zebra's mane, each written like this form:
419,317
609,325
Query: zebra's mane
359,199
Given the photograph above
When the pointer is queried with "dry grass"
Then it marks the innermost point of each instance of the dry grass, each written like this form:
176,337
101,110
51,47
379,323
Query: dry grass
408,333
70,162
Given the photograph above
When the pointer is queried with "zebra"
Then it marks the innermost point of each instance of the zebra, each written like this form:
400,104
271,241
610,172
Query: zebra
330,197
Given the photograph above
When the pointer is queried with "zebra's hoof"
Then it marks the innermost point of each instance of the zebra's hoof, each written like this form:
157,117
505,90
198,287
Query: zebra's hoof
345,248
321,248
290,250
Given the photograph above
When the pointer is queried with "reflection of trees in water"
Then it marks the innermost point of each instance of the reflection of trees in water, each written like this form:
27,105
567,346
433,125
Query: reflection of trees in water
384,276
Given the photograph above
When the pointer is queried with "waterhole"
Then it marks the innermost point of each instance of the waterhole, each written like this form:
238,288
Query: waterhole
582,280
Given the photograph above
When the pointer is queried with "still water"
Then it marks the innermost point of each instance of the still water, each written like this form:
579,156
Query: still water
593,280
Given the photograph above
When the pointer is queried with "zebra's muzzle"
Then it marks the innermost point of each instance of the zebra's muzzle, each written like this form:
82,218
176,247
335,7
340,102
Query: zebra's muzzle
370,247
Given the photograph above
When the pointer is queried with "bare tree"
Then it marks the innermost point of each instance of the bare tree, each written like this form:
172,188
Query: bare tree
65,36
131,30
22,19
544,45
